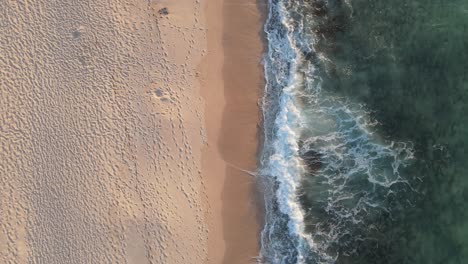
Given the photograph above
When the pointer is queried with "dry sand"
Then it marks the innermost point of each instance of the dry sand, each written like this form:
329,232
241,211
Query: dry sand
102,128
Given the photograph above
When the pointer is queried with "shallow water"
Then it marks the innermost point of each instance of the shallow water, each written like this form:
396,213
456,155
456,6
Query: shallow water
366,125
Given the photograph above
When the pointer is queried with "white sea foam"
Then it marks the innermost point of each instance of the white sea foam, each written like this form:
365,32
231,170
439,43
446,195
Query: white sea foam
285,164
340,132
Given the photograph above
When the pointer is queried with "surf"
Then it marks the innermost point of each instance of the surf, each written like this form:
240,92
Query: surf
327,173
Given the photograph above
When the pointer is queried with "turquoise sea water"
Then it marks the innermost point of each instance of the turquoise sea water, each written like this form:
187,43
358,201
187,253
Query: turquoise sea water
366,120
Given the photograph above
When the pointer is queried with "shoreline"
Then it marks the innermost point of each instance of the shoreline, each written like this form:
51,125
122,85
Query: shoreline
232,80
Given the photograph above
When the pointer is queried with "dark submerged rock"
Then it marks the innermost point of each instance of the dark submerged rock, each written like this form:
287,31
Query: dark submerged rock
313,160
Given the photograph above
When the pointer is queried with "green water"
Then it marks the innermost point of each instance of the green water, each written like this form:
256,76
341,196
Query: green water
407,60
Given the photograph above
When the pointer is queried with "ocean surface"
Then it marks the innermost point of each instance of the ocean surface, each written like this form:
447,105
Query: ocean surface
365,152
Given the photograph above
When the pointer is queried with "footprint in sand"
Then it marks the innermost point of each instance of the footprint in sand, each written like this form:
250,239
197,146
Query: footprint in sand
161,95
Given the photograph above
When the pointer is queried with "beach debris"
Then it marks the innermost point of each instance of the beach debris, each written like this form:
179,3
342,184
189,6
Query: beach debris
159,92
76,34
163,11
161,95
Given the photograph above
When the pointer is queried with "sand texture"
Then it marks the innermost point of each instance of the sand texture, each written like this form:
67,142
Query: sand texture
232,80
101,131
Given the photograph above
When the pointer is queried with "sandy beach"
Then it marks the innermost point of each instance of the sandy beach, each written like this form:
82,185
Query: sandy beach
124,130
232,81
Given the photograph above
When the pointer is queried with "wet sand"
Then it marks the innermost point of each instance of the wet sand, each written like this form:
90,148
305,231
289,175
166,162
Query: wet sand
233,82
